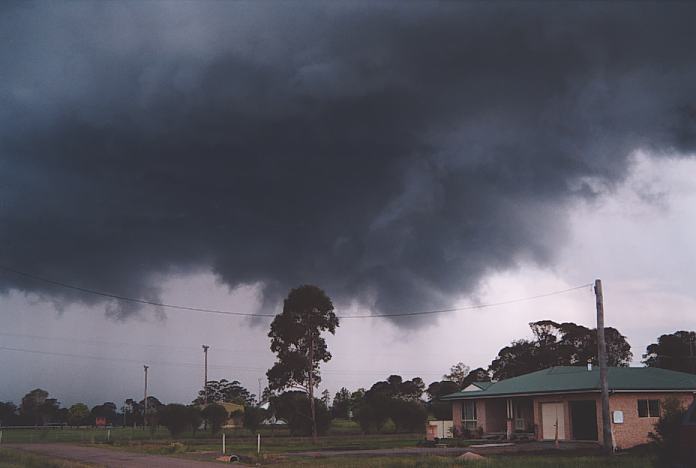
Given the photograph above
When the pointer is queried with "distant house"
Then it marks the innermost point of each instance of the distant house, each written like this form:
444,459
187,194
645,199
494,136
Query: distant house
564,403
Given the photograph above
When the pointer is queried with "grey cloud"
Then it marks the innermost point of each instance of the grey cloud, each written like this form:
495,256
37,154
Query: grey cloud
394,156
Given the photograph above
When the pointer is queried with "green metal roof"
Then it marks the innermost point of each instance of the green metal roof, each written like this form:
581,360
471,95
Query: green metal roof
579,379
482,385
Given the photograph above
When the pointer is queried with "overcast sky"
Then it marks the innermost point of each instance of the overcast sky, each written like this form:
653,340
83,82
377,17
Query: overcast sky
414,158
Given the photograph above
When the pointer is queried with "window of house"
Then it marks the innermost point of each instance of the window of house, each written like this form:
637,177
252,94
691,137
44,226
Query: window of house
648,408
469,415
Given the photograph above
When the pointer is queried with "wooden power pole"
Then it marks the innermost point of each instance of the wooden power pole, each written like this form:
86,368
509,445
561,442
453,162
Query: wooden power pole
145,400
603,369
205,375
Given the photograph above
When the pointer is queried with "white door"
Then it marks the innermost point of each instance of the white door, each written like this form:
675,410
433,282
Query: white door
552,415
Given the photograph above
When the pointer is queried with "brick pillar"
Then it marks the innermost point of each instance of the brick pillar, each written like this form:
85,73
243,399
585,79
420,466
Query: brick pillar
457,416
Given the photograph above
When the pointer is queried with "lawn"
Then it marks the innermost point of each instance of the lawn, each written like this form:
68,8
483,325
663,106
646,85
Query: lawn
18,459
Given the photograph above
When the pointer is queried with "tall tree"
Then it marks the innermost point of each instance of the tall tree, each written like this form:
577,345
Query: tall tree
78,414
37,408
296,339
458,373
342,404
676,351
8,413
558,344
225,391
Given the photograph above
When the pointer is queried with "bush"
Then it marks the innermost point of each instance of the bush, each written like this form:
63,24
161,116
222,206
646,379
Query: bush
254,416
665,439
176,418
294,408
216,415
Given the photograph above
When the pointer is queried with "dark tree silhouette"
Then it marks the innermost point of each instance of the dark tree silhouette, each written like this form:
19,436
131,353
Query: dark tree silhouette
225,391
676,351
296,339
558,344
37,408
216,415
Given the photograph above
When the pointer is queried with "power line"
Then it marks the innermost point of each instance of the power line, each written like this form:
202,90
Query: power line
197,366
471,307
128,299
119,343
246,314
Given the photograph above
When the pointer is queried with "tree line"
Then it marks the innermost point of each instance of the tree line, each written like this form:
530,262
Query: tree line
297,340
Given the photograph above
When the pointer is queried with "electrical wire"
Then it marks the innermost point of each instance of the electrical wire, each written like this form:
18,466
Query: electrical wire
197,365
246,314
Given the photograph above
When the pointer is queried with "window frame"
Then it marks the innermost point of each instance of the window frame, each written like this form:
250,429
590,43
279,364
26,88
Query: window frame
649,407
469,423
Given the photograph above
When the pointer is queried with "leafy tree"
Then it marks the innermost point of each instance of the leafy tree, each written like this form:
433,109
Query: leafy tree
8,413
342,404
676,351
408,415
326,398
216,415
133,411
106,411
477,375
37,409
554,344
177,418
254,416
78,414
225,391
151,411
296,339
441,409
458,373
396,387
383,401
294,408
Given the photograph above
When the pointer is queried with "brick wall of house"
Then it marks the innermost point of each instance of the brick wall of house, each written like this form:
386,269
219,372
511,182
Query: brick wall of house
457,416
482,415
634,430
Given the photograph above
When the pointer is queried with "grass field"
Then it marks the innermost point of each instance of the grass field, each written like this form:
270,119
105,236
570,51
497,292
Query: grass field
17,459
510,461
343,435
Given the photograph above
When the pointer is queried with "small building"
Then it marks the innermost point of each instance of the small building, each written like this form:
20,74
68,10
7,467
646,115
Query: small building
564,403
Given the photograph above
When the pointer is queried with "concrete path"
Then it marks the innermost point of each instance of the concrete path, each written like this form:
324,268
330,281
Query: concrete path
108,457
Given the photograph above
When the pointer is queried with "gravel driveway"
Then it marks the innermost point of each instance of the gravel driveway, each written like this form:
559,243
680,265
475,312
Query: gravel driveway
108,457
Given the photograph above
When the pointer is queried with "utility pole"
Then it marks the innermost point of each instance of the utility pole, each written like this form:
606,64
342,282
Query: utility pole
145,400
603,370
205,375
259,398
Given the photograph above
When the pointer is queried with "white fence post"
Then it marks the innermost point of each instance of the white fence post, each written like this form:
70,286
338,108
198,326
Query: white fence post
258,444
223,443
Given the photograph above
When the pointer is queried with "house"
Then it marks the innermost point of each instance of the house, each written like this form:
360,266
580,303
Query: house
564,403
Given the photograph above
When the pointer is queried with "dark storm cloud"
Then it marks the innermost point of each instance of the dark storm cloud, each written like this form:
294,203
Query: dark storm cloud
394,156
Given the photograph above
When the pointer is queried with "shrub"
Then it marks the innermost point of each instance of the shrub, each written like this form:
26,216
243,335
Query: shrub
665,439
408,415
176,418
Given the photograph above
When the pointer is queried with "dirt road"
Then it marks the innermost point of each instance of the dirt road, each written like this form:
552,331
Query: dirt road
107,457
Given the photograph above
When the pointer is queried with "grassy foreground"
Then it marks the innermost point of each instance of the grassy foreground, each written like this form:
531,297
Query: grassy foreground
510,461
18,459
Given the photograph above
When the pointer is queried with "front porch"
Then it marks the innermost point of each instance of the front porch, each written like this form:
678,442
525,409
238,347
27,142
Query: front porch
495,418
